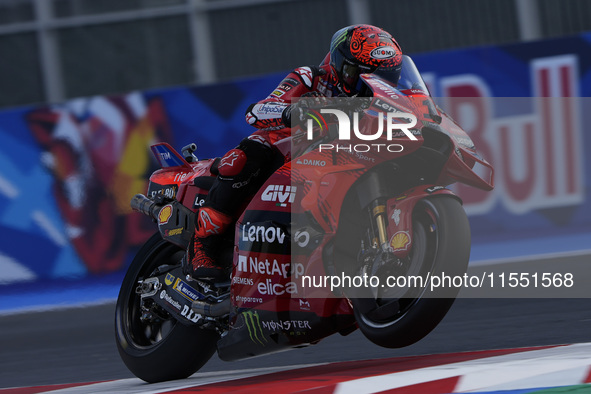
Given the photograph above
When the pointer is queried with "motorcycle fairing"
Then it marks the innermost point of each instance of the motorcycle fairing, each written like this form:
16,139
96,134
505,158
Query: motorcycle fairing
257,331
461,163
167,156
266,290
176,175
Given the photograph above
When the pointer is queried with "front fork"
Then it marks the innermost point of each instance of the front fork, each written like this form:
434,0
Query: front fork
379,223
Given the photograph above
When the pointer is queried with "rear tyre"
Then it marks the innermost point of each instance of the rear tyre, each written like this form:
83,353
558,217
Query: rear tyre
160,349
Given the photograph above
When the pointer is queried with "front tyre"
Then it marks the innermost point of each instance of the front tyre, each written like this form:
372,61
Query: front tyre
395,318
159,348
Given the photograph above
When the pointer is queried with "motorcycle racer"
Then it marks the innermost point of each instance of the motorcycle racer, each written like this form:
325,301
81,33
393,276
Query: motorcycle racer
354,50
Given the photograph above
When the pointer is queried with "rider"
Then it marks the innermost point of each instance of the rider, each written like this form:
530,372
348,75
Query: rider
354,50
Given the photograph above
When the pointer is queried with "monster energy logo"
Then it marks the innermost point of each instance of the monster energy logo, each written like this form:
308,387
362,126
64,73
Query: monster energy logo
342,36
255,331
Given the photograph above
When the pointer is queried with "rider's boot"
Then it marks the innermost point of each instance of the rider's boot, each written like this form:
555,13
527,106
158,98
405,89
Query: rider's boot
201,260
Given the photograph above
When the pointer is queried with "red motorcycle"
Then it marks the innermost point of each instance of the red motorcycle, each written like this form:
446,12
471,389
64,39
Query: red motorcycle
348,234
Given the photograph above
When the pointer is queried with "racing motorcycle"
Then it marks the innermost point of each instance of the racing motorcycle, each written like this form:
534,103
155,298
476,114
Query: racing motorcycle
334,213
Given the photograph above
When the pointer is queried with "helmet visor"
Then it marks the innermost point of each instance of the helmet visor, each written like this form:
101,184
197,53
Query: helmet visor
350,75
390,74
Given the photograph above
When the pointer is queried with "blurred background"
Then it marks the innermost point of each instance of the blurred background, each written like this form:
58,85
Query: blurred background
53,50
87,85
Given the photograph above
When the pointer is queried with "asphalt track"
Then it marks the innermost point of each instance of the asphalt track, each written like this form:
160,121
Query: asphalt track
77,344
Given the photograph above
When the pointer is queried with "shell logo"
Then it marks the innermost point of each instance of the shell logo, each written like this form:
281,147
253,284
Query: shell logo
165,214
400,241
169,279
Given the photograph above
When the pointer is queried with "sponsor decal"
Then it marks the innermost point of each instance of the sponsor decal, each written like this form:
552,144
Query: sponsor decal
165,155
189,314
169,279
238,185
256,300
284,87
269,288
400,241
181,176
165,214
242,281
383,52
186,291
291,82
277,93
173,232
166,191
361,156
302,238
269,109
433,189
304,304
286,325
325,87
310,162
164,296
281,194
385,106
263,233
270,268
396,216
385,88
255,330
199,201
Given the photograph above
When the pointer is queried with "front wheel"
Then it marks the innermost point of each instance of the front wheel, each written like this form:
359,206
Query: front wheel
395,317
152,344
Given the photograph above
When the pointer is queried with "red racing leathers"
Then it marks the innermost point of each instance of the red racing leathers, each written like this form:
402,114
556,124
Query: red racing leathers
240,168
243,170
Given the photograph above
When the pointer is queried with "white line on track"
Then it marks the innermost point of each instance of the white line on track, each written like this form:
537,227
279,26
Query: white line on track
563,365
137,386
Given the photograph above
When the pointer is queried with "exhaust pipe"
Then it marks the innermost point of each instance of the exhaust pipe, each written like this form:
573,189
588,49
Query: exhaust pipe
212,310
143,204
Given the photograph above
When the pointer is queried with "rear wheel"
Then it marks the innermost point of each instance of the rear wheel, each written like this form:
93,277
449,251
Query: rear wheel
398,316
153,345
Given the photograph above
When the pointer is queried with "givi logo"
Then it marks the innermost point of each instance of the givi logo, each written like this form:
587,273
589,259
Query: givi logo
281,194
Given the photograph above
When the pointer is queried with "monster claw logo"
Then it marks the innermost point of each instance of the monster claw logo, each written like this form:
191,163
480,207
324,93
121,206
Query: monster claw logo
255,330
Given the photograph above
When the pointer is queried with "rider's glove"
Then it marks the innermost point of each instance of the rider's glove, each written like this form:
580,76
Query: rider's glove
296,113
291,115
